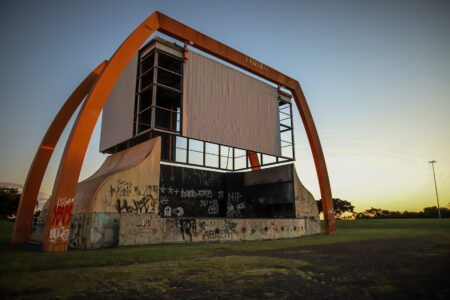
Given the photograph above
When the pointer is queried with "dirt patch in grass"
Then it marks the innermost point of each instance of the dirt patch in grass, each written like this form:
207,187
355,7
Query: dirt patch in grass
398,268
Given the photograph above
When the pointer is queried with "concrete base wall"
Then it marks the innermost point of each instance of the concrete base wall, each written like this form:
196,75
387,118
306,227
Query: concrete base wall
99,230
142,229
94,230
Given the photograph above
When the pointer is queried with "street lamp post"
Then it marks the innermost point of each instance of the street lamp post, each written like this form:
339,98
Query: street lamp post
432,162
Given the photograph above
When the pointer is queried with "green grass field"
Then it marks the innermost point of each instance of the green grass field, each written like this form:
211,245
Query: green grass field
365,259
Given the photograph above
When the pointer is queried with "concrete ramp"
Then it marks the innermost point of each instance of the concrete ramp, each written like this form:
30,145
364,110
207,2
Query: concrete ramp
306,207
127,181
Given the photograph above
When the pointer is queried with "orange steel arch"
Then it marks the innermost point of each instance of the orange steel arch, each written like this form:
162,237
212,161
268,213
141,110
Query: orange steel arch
58,222
30,191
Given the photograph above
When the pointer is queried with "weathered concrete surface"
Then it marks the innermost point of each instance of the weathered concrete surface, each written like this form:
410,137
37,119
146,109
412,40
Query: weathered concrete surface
141,229
127,181
306,207
95,230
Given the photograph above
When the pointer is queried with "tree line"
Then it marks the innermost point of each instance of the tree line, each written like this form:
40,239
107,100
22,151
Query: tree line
343,209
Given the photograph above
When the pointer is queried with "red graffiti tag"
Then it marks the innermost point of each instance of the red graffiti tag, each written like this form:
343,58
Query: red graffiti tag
62,212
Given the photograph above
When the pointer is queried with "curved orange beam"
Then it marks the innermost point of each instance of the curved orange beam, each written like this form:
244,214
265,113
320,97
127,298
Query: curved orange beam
58,222
319,159
30,191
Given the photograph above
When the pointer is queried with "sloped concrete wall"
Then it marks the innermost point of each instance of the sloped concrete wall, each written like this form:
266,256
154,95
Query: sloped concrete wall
127,182
306,207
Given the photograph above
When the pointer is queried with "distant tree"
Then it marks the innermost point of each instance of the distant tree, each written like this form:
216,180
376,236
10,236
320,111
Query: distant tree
9,201
340,207
378,213
432,212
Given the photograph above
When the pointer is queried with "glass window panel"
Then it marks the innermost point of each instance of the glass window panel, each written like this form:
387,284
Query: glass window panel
226,163
212,160
240,162
195,145
181,155
212,148
195,158
268,159
181,142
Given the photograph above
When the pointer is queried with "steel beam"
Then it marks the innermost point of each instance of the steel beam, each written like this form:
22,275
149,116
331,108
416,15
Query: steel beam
254,160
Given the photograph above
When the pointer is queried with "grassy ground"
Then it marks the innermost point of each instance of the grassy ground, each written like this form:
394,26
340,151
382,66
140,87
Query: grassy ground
365,259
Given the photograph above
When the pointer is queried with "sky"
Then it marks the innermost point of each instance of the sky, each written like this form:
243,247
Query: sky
376,75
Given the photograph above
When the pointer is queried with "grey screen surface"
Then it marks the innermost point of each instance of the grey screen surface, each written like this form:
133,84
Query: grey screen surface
118,112
225,106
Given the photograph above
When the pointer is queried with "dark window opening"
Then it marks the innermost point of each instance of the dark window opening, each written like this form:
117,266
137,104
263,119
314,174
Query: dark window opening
147,62
145,99
170,62
159,93
169,79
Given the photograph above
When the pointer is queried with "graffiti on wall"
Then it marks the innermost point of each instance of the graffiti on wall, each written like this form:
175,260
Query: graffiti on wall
190,192
211,232
203,198
60,224
235,205
77,239
94,230
186,192
187,228
132,198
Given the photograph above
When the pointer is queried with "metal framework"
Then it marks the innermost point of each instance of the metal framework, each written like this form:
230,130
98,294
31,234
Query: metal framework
61,202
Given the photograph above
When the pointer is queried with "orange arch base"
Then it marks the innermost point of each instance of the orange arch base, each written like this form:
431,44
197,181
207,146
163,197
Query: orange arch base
58,223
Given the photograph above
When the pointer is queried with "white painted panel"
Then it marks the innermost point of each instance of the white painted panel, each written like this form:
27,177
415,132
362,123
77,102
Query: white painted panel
225,106
118,112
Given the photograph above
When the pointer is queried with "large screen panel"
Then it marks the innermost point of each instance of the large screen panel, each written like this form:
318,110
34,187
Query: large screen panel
118,112
225,106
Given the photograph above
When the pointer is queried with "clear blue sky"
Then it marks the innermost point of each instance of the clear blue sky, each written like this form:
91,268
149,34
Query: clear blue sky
375,73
